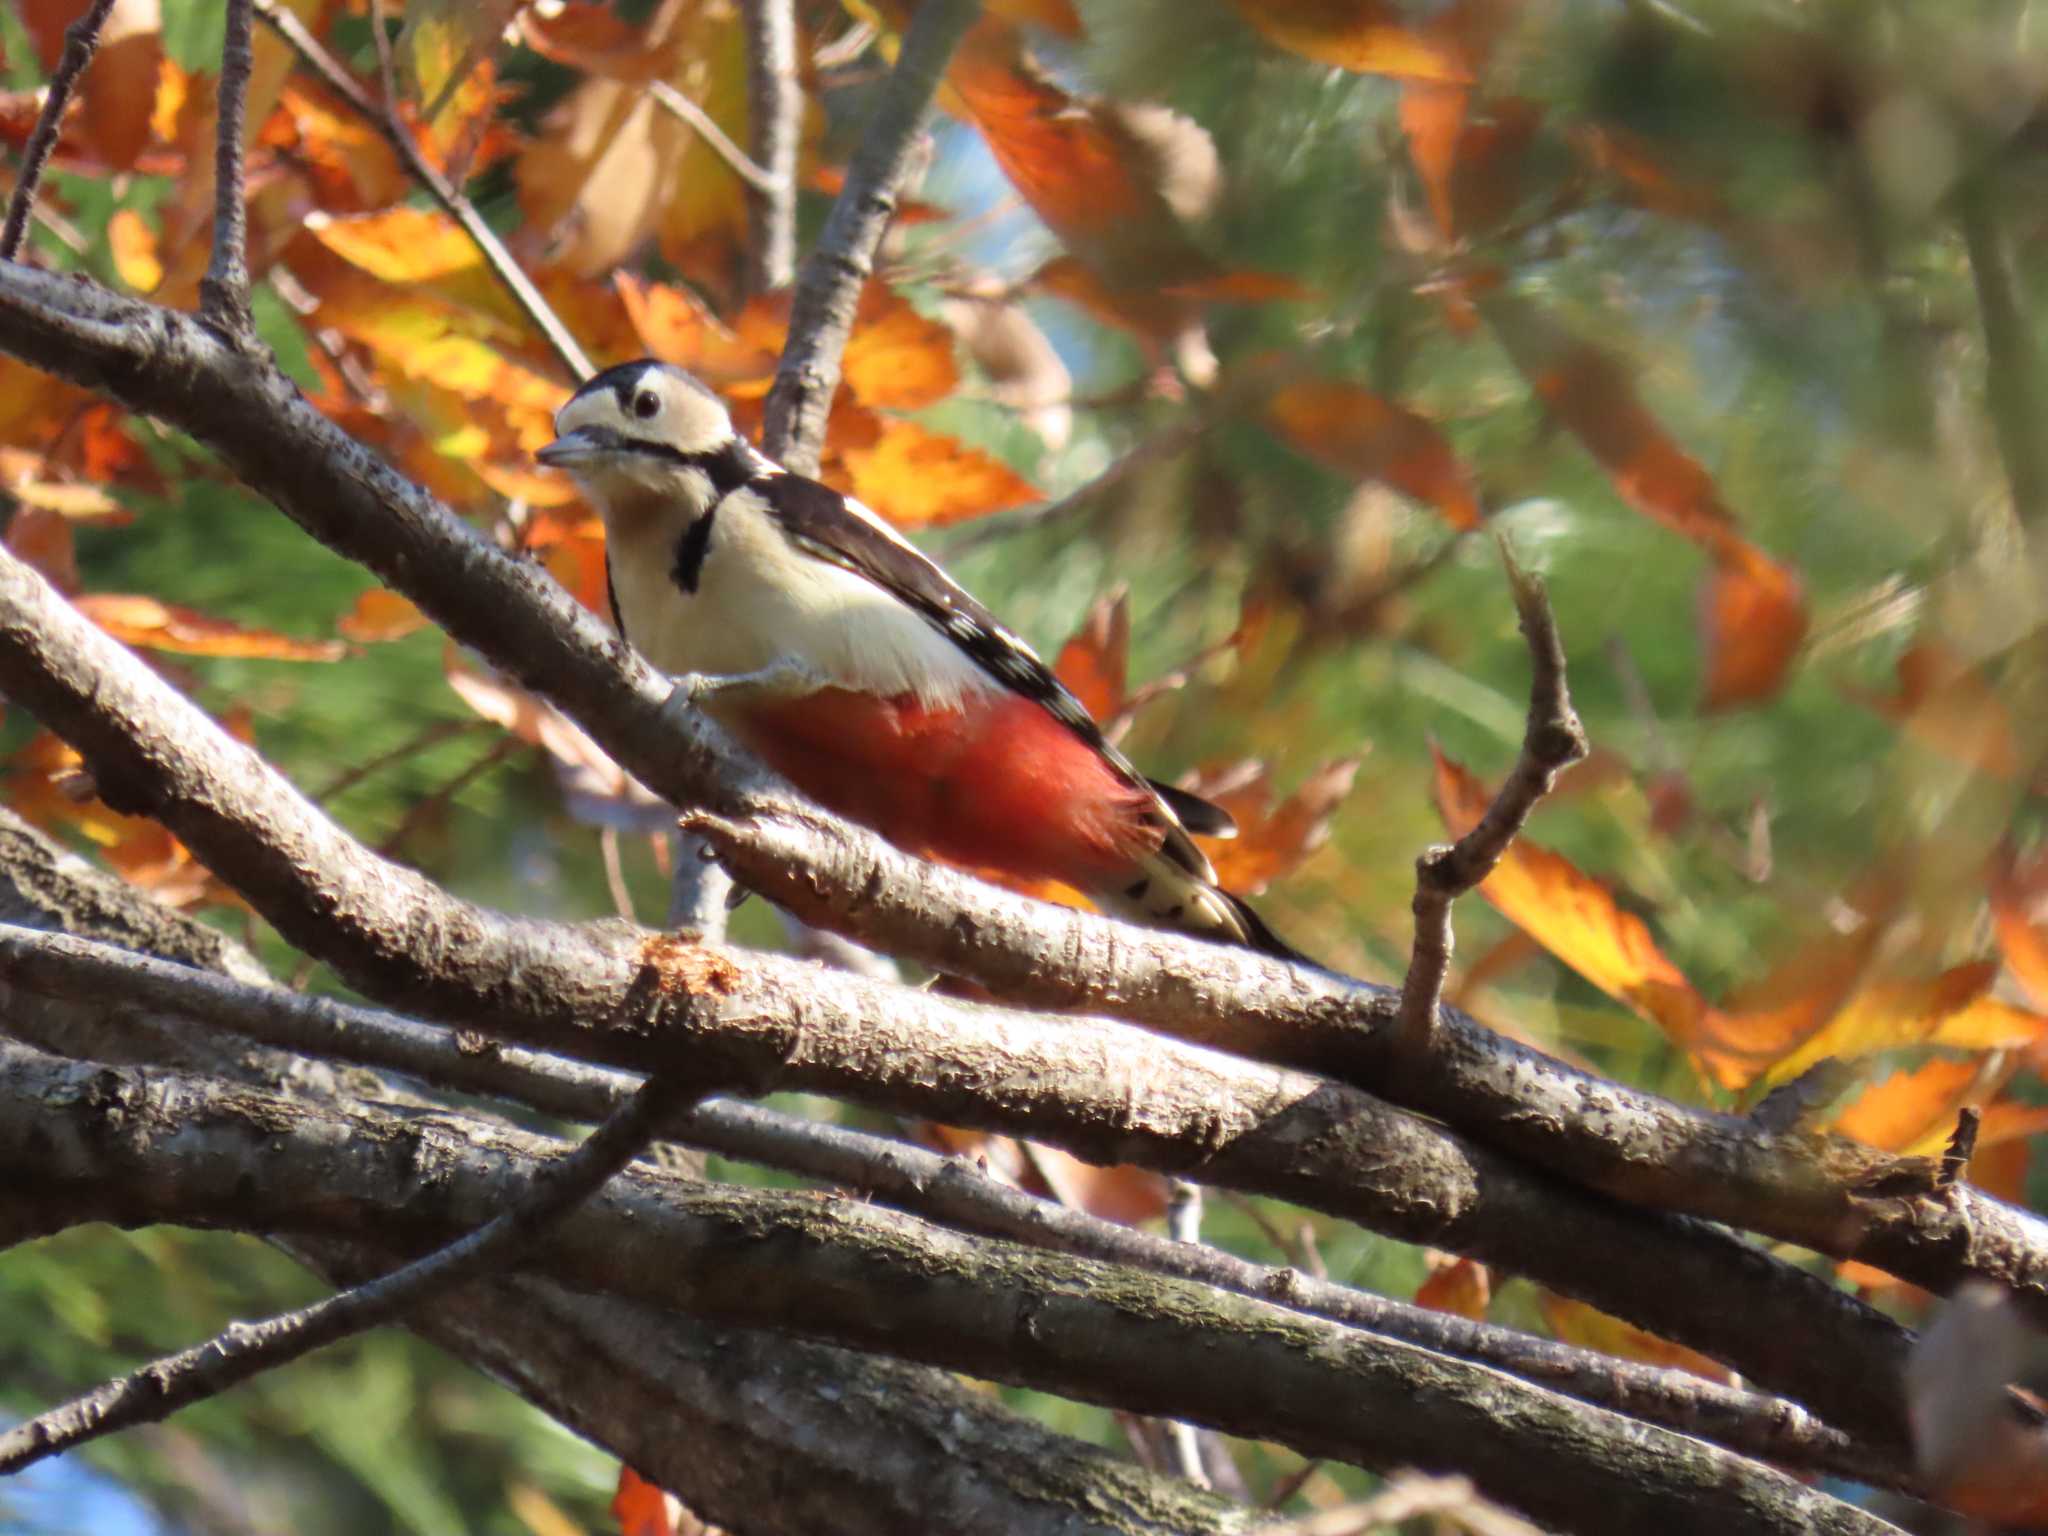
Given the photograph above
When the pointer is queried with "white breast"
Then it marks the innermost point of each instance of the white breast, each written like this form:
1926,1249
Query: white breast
760,599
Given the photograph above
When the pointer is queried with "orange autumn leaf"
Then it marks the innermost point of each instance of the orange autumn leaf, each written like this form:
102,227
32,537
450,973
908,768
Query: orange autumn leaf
1357,432
1906,1107
1432,119
2019,914
1753,609
398,245
132,244
1576,1323
1121,1192
1118,182
641,1508
1273,841
1949,707
379,615
351,165
675,326
896,359
43,540
1469,153
1457,1285
918,478
1368,37
1095,663
1060,156
46,784
159,626
1752,620
1592,394
1574,916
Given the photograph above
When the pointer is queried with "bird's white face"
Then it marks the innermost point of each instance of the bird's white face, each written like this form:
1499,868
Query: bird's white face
633,432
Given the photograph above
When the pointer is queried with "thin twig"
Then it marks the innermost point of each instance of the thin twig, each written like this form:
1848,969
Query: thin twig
700,122
417,814
615,873
828,292
775,104
224,290
81,38
244,1350
337,79
431,736
1551,743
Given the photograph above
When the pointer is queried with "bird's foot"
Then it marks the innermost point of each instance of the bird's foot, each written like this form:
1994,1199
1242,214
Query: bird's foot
786,678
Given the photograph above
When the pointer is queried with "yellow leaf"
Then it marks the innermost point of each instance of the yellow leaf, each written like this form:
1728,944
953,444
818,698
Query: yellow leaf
398,245
133,245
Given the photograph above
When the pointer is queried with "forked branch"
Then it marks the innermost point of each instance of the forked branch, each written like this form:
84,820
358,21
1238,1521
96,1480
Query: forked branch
1551,742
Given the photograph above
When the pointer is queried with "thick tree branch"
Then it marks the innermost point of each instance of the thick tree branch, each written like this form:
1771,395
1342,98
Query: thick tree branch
828,291
458,207
947,1190
721,1418
224,290
1552,741
1099,1089
138,1146
81,40
156,1391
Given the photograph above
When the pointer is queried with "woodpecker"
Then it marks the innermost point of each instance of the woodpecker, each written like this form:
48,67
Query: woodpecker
848,661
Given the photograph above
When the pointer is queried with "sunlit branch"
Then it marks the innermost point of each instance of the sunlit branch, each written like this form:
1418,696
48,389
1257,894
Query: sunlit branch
224,290
948,1190
152,1146
829,288
775,105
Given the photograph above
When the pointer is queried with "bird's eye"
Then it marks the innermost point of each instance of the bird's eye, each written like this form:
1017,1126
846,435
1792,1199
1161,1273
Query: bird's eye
646,404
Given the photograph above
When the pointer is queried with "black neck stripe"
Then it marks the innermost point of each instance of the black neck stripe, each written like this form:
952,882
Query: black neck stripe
727,467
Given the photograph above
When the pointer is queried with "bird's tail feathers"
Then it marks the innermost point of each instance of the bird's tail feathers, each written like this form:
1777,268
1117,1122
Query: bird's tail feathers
1163,893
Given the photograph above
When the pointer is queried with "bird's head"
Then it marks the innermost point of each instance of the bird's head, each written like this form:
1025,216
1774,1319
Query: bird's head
643,429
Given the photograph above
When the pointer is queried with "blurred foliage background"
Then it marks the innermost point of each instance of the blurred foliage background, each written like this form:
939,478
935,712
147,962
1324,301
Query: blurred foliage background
1218,336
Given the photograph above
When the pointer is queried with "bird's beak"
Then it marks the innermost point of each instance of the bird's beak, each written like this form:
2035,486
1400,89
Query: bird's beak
571,449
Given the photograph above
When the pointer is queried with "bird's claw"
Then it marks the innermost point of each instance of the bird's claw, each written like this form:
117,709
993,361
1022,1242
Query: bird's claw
785,679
